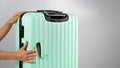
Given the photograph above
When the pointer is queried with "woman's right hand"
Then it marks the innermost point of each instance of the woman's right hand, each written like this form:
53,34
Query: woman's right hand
26,56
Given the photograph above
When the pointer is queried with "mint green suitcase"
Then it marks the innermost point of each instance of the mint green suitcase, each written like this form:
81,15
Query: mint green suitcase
53,33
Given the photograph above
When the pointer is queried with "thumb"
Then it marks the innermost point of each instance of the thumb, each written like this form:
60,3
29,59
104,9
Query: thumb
25,45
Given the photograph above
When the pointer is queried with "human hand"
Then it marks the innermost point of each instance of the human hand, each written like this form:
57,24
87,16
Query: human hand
26,56
14,18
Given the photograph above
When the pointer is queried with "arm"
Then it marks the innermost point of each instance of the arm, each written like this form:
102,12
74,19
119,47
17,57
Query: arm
7,55
21,54
5,29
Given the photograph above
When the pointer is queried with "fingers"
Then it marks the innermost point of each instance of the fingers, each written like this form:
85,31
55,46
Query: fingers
25,45
32,55
14,18
30,61
31,58
31,51
18,14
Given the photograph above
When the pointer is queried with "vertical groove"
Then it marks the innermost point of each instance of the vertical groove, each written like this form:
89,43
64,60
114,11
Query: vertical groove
69,53
60,56
38,40
56,45
43,37
41,47
52,46
73,42
63,46
38,58
55,50
48,46
73,45
69,38
67,45
44,45
59,44
41,26
57,38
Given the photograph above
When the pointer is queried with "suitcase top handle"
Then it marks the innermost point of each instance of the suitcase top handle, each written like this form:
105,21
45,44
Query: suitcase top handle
54,16
49,11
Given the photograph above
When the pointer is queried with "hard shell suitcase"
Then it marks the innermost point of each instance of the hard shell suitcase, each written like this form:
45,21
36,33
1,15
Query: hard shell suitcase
53,33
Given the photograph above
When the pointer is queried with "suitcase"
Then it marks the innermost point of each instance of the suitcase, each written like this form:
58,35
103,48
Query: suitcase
53,33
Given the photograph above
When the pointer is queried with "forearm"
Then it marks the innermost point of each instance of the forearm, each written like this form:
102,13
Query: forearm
4,30
8,55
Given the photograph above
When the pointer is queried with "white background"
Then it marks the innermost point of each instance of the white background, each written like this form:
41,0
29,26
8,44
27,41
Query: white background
99,28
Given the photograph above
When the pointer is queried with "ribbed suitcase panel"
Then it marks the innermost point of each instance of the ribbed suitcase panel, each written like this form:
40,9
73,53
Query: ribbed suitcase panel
59,41
59,44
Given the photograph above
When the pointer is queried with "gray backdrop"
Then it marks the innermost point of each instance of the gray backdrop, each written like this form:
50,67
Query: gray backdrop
99,28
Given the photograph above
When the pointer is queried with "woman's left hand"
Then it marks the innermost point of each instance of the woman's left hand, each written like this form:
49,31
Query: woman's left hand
14,18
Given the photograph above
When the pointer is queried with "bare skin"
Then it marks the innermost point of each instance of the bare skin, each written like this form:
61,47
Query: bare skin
21,54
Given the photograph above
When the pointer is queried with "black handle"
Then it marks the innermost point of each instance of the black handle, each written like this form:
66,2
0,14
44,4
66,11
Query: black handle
38,45
49,11
21,31
54,16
